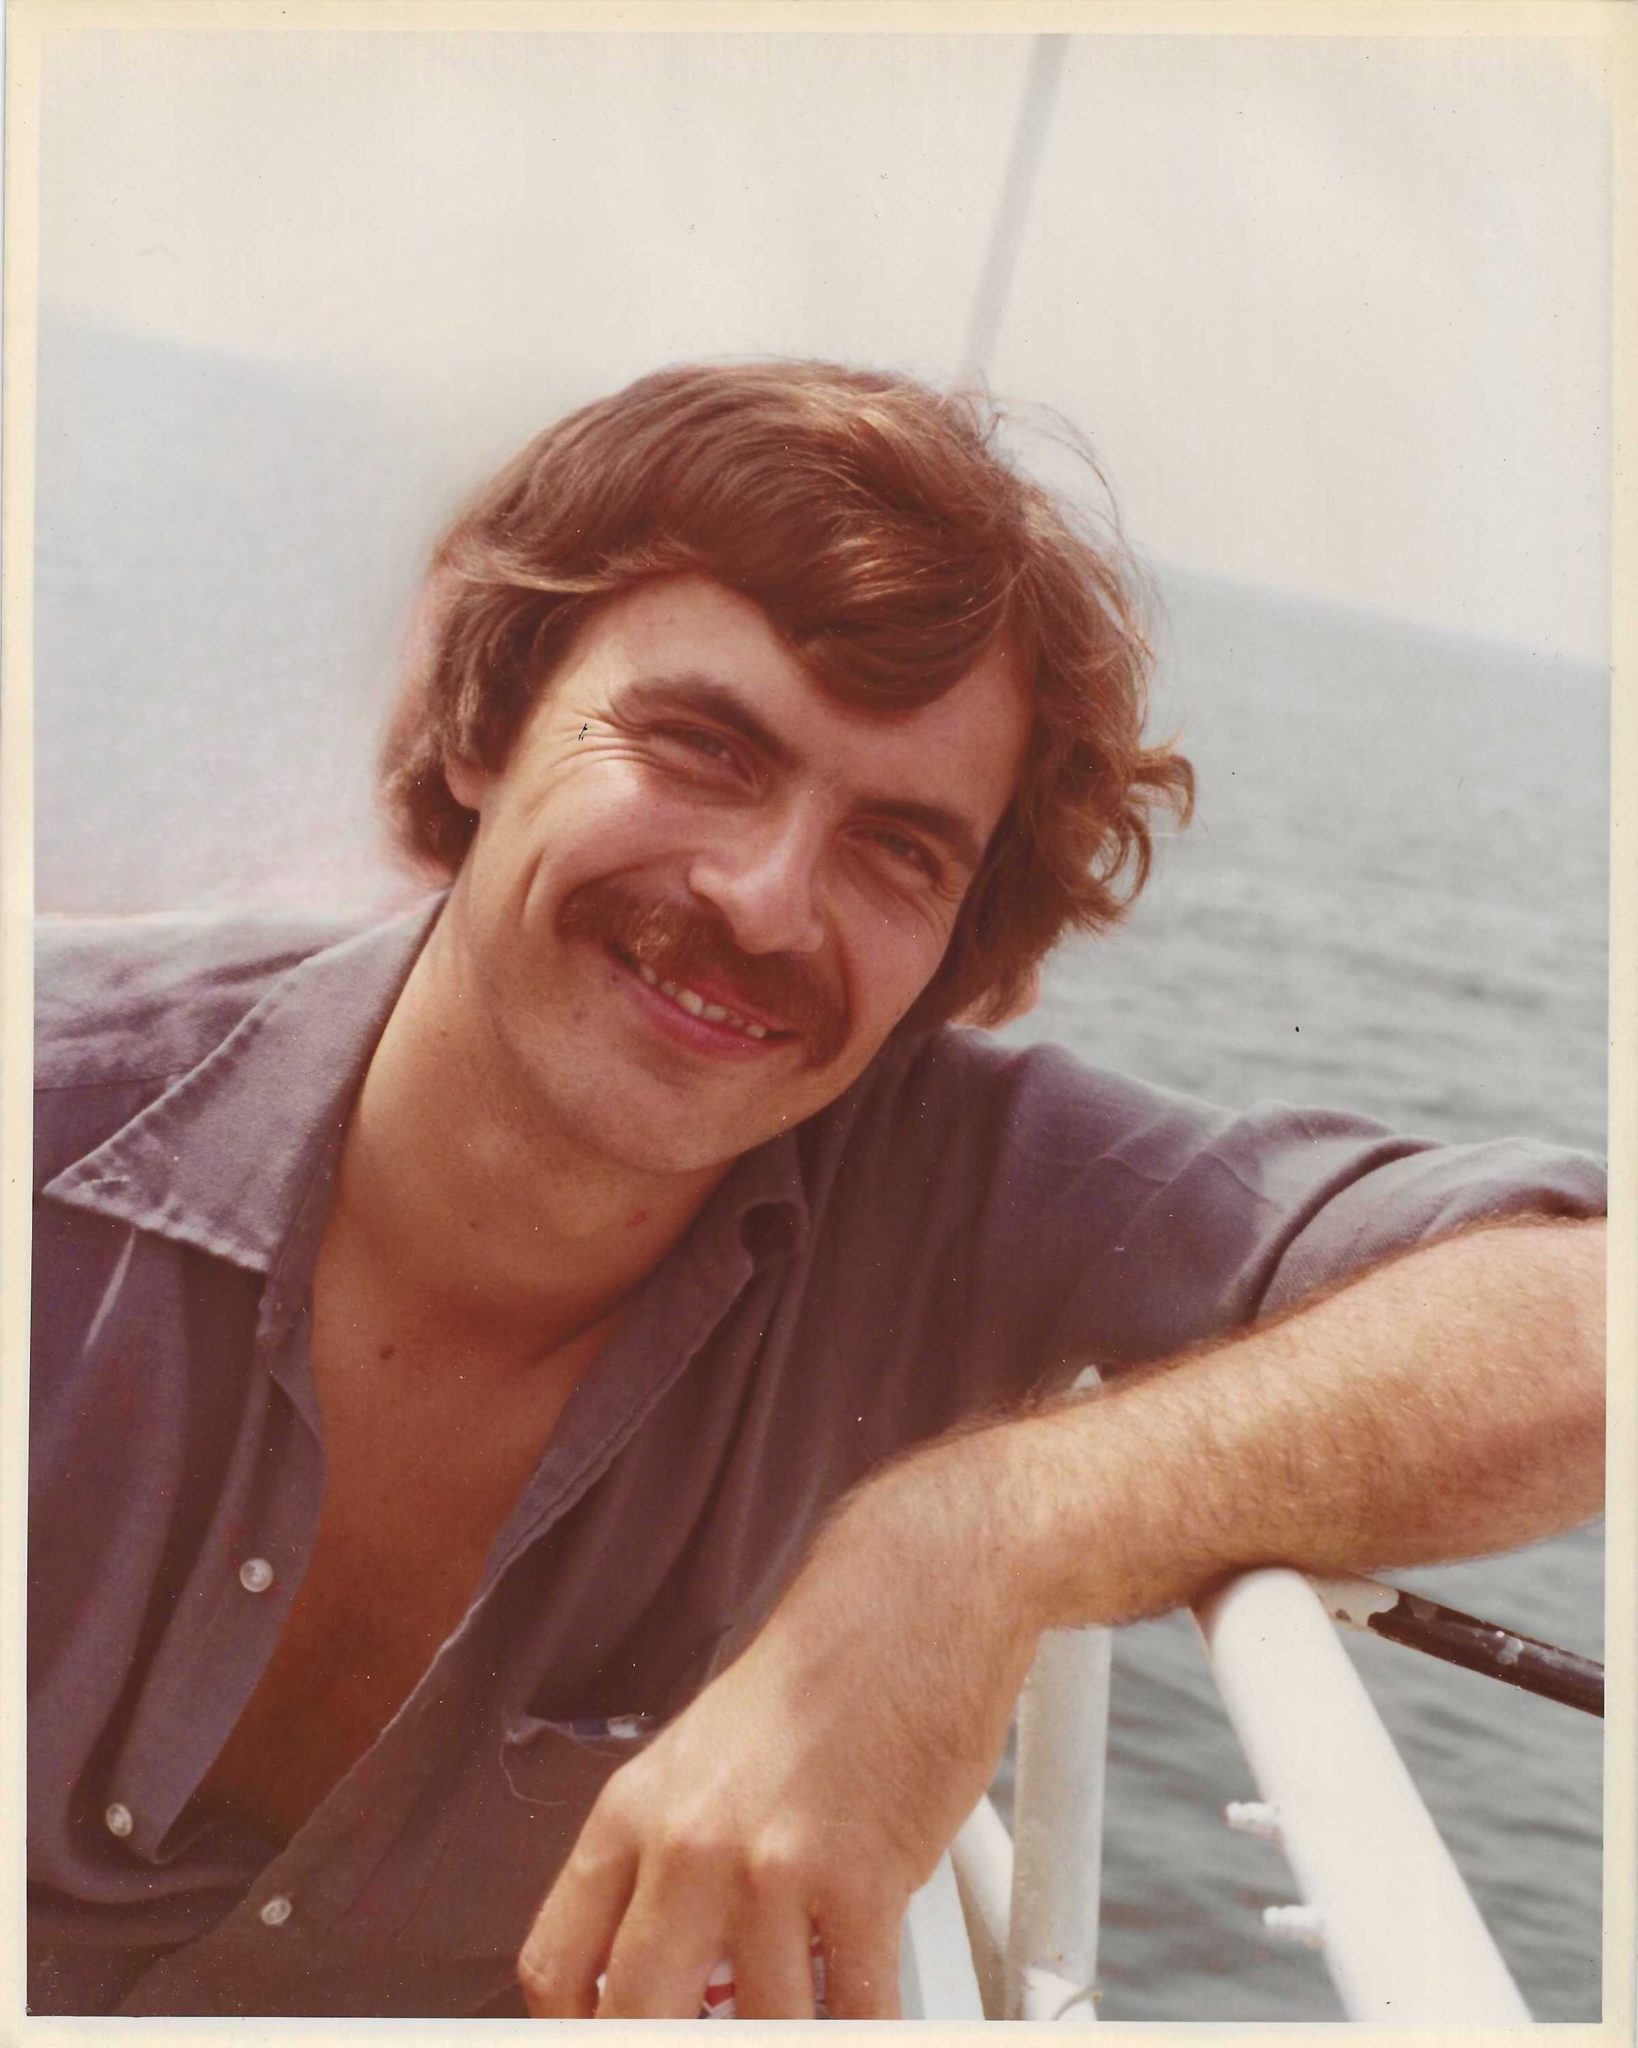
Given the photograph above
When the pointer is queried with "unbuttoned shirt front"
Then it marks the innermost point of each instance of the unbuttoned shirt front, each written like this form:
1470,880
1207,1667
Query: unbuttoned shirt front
964,1226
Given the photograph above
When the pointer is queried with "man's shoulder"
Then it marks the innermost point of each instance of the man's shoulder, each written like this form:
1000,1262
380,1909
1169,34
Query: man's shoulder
126,1001
966,1096
1039,1082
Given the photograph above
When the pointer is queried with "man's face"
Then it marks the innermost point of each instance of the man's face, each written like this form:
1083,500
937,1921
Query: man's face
702,891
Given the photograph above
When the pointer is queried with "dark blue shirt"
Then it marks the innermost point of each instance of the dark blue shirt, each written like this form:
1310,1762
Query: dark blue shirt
965,1225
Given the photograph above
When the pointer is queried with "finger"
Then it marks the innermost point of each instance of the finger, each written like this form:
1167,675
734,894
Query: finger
672,1935
862,1946
771,1950
574,1930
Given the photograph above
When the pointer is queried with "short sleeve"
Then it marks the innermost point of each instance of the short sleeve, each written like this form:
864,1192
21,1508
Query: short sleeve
1280,1204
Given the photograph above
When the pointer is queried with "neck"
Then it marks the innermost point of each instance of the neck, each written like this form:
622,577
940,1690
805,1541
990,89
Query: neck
457,1188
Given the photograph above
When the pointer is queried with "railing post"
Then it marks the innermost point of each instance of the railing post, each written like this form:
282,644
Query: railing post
936,1966
1057,1828
982,1857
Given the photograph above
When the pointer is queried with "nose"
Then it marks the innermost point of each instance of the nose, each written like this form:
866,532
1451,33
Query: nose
761,874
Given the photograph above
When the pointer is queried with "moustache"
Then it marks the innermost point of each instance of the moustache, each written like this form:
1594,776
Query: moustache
679,942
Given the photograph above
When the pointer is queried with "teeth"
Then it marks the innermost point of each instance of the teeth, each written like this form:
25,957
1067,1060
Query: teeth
684,998
696,1005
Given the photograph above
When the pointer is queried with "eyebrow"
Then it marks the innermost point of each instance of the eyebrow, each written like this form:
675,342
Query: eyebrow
694,692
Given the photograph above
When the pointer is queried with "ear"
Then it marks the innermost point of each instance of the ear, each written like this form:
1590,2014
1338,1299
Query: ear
468,783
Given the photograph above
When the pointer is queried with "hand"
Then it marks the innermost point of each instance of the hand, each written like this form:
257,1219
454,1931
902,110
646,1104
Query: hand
814,1785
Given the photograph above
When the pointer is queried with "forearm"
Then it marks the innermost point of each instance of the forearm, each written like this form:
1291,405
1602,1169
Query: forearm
1450,1403
1445,1405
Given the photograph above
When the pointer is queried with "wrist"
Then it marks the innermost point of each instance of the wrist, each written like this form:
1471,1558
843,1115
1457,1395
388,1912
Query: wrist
1101,1519
942,1530
986,1511
1042,1520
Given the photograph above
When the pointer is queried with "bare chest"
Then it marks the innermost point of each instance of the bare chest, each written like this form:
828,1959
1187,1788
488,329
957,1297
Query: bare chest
382,1591
416,1490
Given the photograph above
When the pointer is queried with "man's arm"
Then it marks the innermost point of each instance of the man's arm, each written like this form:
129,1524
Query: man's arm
1447,1404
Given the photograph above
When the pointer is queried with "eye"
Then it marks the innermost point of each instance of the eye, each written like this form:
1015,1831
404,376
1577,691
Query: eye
701,742
905,852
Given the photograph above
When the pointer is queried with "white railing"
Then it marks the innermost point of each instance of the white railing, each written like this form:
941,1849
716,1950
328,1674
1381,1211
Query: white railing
1008,1928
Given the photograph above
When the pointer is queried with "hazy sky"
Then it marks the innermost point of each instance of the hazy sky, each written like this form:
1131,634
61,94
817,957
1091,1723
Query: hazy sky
1334,312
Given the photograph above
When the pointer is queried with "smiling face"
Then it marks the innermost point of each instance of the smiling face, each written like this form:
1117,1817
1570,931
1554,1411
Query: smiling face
703,891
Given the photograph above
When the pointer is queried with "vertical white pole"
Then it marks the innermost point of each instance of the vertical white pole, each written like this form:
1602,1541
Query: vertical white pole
937,1971
982,1856
1046,63
1057,1828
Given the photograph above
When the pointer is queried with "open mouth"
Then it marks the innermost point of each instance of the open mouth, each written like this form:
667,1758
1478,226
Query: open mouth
703,1008
692,982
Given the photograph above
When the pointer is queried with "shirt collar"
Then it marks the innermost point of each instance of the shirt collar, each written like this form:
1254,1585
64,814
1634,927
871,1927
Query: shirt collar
222,1159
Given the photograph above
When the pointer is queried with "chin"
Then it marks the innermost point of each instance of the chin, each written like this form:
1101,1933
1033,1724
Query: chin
660,1139
667,1155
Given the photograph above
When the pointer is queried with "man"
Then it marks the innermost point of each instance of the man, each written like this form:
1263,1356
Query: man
451,1336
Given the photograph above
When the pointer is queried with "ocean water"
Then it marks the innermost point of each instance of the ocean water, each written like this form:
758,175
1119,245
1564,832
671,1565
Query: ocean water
1393,900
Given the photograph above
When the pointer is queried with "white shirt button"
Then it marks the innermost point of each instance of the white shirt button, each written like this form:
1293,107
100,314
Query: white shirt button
117,1819
276,1912
255,1575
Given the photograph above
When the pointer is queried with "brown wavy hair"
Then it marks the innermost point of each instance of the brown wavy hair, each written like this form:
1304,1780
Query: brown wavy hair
877,526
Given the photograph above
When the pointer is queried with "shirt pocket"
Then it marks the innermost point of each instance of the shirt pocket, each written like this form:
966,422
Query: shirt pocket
505,1829
548,1762
510,1811
508,1807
